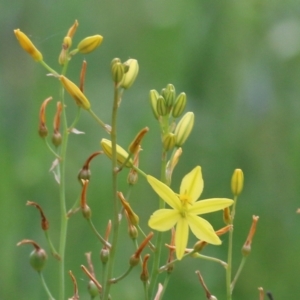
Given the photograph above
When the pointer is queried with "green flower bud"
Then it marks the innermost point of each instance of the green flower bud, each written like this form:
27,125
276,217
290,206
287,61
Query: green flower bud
86,212
169,94
131,74
117,70
169,141
184,128
153,96
104,255
134,260
38,259
179,105
93,290
161,106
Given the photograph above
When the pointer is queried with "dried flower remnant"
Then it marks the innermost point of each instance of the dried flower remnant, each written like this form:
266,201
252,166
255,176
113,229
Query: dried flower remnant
247,246
44,221
185,210
43,130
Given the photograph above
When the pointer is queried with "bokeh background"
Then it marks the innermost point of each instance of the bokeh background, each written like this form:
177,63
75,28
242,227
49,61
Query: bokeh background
239,64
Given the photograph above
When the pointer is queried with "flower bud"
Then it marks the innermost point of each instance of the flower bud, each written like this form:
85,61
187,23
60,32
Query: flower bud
117,70
169,94
179,105
104,255
131,74
38,259
161,106
153,95
89,44
237,182
121,153
73,29
92,289
28,46
184,128
133,232
56,138
169,141
75,92
84,174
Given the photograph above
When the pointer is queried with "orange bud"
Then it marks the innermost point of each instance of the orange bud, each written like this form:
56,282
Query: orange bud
75,92
89,44
28,46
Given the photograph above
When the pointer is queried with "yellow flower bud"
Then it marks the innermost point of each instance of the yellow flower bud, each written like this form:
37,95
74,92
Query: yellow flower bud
161,106
237,182
179,105
130,75
89,44
75,92
169,94
28,46
169,141
121,153
153,96
117,71
184,128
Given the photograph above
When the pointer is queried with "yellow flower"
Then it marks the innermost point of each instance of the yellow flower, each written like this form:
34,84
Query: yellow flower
184,210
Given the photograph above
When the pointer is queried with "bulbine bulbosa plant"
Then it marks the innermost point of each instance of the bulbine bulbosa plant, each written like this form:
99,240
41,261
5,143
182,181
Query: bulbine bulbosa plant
179,212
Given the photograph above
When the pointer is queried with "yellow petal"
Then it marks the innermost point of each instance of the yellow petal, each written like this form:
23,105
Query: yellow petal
209,205
202,229
192,184
164,192
181,237
164,219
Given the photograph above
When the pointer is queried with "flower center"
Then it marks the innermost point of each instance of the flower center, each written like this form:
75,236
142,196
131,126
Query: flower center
185,201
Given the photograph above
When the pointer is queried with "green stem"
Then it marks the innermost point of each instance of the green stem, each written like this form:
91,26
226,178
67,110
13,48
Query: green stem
159,239
106,127
49,69
241,266
52,248
115,222
45,286
62,196
51,150
229,257
102,240
115,280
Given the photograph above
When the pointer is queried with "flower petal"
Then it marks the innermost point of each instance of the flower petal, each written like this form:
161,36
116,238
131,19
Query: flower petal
202,229
209,205
181,237
192,184
164,192
164,219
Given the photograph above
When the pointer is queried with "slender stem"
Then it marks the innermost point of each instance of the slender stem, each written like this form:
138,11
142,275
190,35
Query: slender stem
115,222
102,240
51,150
115,280
241,266
100,122
63,211
167,279
52,248
48,68
229,257
159,239
45,286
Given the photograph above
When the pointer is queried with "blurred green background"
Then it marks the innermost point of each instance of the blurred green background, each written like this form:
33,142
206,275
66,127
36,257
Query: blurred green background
239,64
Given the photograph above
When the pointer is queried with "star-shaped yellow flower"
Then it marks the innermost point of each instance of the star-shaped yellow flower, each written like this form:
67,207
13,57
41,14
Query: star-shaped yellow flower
184,210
